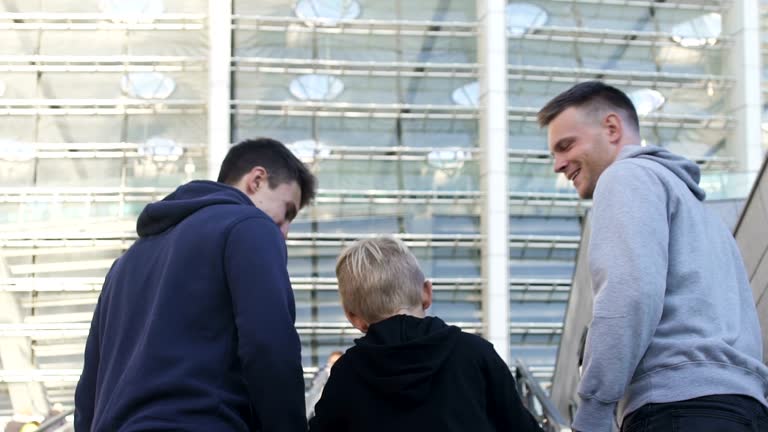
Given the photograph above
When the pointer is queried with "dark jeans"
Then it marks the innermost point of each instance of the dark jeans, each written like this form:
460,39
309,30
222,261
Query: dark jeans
719,413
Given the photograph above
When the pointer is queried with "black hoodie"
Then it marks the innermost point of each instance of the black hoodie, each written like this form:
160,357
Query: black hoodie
419,374
194,328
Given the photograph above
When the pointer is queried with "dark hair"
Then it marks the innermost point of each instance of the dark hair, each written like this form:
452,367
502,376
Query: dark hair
591,94
280,163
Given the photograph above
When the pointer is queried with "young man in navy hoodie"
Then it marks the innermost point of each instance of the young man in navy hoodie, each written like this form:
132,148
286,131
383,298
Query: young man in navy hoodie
410,372
194,328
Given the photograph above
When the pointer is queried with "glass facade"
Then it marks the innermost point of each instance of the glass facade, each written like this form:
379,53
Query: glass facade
103,109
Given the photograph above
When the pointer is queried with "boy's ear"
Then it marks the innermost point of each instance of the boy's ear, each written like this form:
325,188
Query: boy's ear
356,321
426,295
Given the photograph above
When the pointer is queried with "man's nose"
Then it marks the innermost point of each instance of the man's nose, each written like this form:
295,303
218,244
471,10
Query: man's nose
560,164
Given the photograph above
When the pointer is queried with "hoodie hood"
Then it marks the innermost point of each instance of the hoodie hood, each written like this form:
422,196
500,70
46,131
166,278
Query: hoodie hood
684,169
187,199
400,355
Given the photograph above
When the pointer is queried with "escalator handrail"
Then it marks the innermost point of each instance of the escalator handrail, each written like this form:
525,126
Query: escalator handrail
55,421
554,419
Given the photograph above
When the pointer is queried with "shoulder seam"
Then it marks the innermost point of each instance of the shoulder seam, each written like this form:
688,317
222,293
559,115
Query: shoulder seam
231,226
639,164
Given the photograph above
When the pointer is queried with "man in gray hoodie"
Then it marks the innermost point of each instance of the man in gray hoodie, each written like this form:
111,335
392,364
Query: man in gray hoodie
674,342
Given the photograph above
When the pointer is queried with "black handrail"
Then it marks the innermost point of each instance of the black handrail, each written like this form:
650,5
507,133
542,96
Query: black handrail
55,422
536,400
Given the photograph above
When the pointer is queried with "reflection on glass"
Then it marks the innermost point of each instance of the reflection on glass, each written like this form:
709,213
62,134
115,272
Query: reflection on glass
521,17
147,85
132,10
535,355
697,32
316,87
764,124
386,175
537,311
327,12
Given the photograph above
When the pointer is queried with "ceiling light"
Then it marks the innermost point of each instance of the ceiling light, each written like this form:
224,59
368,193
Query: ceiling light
189,168
467,95
161,149
326,12
646,101
147,85
447,159
132,11
522,17
700,31
15,151
316,87
309,150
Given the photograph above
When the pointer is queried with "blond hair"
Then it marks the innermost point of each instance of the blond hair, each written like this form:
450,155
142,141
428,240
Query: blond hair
377,277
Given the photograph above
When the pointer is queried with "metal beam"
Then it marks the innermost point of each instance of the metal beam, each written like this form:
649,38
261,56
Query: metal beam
492,59
741,26
219,83
27,398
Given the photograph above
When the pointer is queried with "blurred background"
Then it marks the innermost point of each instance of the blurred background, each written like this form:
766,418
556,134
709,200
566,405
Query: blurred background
108,105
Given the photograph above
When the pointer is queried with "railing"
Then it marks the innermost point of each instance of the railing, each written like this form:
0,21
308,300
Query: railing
312,395
536,400
727,185
57,423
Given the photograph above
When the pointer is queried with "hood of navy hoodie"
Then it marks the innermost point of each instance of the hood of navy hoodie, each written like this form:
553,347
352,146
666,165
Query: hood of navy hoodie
401,355
187,199
683,168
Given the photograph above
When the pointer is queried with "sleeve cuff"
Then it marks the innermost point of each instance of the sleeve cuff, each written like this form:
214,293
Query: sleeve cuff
594,416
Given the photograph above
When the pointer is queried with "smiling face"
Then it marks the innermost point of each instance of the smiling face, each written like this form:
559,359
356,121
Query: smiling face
583,143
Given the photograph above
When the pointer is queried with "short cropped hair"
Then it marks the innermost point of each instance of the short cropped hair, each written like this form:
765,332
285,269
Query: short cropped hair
377,277
593,95
281,164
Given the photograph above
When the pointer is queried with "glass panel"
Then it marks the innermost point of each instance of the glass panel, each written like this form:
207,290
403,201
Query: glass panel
357,48
436,262
433,10
80,144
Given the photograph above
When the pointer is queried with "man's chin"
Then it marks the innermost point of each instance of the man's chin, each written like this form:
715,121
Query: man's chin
584,193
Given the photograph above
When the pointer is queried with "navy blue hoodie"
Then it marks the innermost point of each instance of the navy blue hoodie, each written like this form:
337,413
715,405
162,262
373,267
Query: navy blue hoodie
194,329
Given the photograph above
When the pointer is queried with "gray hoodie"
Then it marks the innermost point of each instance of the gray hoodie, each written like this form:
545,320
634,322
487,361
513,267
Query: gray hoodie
673,315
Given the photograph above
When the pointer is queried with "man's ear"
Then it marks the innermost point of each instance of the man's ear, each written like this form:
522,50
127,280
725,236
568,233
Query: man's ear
613,126
357,321
426,295
255,179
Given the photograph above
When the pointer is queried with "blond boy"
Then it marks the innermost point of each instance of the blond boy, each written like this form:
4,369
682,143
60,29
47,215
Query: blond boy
410,372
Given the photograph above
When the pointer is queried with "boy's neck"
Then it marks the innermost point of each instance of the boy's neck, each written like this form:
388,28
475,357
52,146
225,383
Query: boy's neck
361,325
417,312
